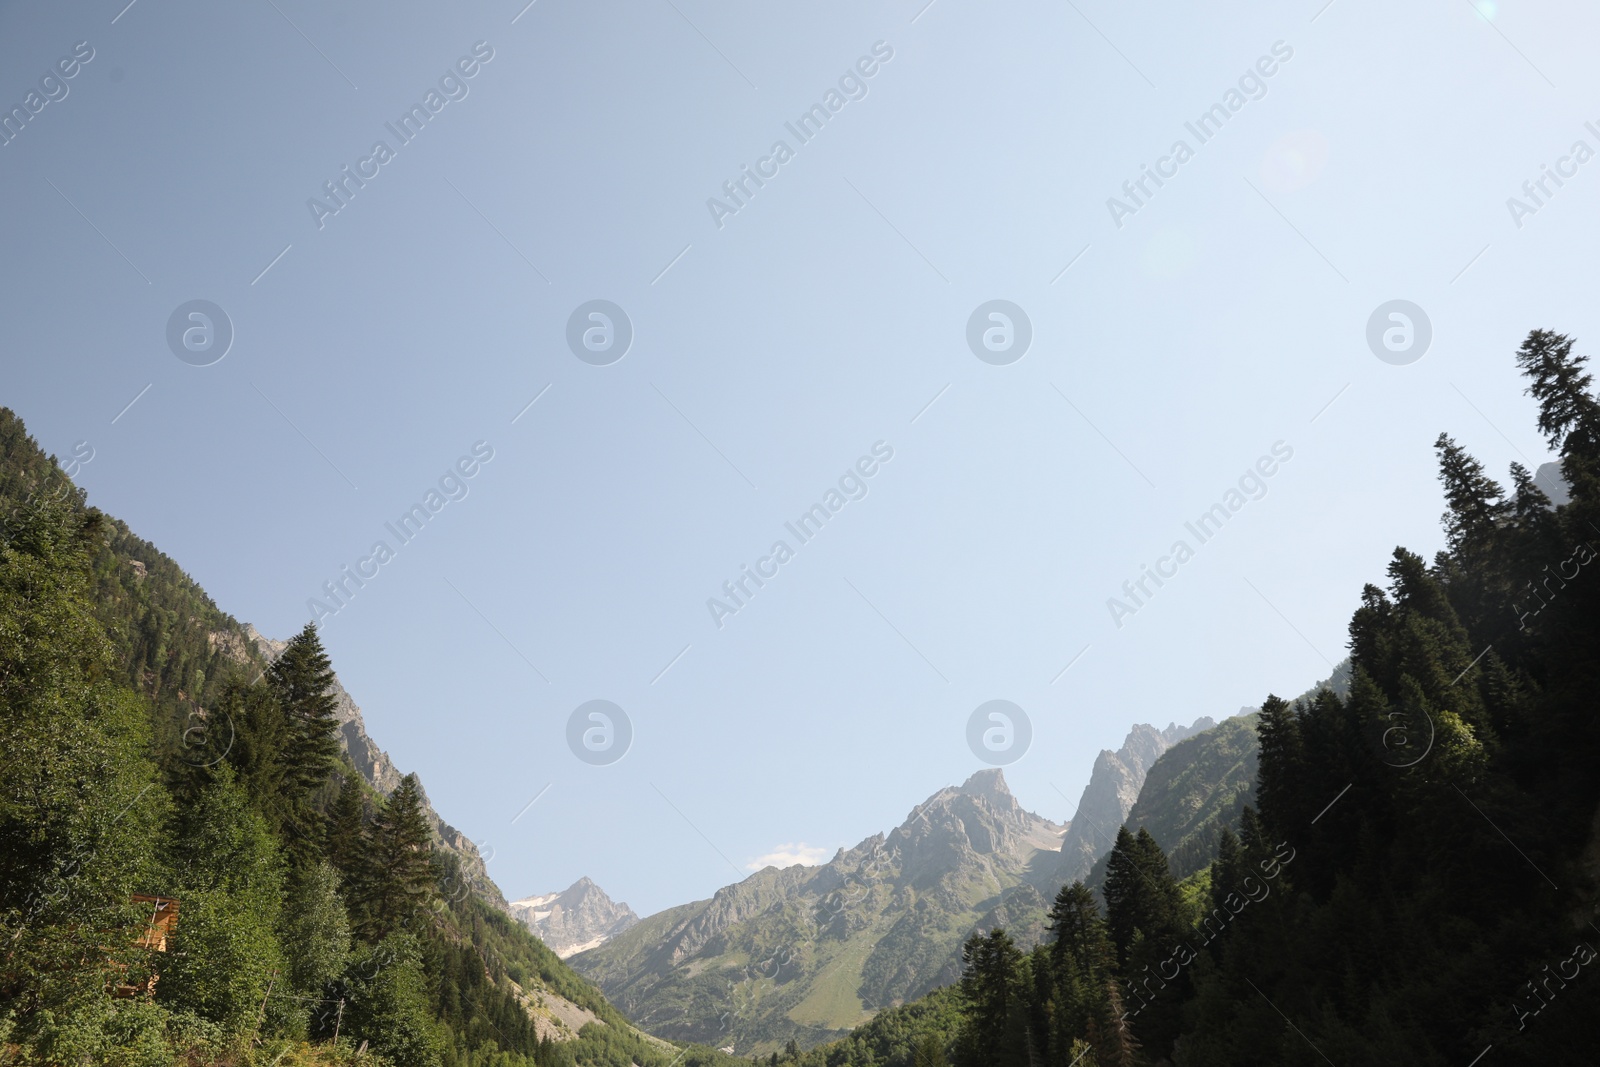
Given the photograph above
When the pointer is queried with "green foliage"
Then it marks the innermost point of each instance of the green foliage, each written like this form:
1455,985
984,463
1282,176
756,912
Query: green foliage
386,997
993,988
1417,883
301,682
920,1033
78,801
346,825
396,873
1142,899
315,931
114,1033
1419,861
1081,959
1423,902
229,879
1421,864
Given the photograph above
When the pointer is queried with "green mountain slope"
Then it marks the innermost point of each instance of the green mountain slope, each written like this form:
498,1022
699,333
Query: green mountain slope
1196,788
806,953
1202,784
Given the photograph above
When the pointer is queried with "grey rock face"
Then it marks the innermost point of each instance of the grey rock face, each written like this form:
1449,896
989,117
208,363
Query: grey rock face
1554,483
578,918
380,773
1114,785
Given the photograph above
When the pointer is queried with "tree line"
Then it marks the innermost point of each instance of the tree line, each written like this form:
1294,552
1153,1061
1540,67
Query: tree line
1416,881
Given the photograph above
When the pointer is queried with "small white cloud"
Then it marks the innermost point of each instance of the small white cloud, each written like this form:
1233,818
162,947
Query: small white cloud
790,855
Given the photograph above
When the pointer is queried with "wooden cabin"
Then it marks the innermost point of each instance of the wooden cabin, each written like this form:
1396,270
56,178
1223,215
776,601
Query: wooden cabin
161,922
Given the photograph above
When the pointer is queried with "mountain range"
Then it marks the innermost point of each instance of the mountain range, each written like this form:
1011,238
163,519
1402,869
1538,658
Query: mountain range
805,953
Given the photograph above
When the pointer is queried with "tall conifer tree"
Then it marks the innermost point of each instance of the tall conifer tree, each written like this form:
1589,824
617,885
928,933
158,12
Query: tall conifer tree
399,868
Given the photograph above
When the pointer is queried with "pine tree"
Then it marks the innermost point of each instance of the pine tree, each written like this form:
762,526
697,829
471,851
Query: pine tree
1476,501
386,988
398,865
1280,776
1114,1042
1080,932
993,1034
252,724
1123,892
1080,960
1227,898
1569,415
230,883
301,679
346,827
1141,894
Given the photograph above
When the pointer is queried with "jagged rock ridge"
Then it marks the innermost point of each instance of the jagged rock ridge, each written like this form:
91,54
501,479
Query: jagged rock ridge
380,773
1114,785
578,918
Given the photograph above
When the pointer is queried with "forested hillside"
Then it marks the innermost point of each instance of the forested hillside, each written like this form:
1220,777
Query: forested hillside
191,870
1416,881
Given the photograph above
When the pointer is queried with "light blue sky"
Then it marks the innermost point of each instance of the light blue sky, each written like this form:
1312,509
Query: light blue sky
1223,317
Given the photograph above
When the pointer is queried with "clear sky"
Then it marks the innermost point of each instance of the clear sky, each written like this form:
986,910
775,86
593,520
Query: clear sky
1175,339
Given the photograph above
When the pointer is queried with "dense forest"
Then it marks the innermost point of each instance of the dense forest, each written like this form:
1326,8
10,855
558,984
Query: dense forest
191,871
1416,880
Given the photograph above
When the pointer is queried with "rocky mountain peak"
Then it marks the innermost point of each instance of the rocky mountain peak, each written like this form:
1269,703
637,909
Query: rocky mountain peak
579,917
1114,785
879,924
990,784
979,818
